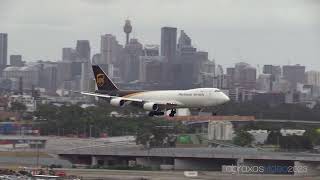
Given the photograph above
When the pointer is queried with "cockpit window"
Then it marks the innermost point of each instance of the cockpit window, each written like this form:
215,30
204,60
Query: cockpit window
217,91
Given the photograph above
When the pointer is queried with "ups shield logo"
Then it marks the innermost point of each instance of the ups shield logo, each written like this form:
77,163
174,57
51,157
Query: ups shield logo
100,79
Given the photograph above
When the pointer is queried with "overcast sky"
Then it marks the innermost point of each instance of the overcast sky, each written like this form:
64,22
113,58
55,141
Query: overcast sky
255,31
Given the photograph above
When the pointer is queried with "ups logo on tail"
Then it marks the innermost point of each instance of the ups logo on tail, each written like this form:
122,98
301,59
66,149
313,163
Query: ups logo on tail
100,79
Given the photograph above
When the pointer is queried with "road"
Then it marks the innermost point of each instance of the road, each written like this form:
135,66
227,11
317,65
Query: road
177,175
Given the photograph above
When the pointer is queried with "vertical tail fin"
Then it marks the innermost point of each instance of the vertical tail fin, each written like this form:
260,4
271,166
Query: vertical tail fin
102,80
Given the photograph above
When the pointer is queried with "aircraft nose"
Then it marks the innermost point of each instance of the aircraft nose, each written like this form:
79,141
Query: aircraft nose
225,98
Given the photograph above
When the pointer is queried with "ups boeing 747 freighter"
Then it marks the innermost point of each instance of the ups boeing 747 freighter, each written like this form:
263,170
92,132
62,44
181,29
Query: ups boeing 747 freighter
156,102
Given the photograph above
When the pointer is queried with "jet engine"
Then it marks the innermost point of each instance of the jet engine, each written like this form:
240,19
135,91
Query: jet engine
150,106
117,102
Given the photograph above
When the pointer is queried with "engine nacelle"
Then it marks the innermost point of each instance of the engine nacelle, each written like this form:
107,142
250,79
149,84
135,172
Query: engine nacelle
150,106
117,102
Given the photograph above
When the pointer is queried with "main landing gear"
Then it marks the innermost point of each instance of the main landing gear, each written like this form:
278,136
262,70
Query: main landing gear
159,113
173,112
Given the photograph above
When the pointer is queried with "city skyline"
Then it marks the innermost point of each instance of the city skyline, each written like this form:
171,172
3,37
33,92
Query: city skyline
273,32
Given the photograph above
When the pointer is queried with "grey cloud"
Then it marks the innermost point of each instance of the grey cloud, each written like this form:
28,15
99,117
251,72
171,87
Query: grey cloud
260,31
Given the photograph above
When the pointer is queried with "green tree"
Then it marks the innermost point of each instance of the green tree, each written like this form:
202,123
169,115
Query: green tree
274,137
295,142
18,107
313,135
243,138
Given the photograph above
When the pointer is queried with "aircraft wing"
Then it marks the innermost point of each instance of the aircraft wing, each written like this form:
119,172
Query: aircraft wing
162,104
110,97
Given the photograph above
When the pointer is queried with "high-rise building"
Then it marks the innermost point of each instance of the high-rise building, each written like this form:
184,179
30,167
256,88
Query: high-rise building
69,54
16,60
29,75
230,77
169,43
83,50
48,76
312,78
264,82
109,45
3,51
111,54
96,59
86,75
63,73
152,69
151,50
275,71
245,76
294,74
131,66
185,48
184,40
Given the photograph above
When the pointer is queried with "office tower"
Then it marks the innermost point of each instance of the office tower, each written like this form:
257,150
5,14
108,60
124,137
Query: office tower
83,50
275,71
16,60
29,75
151,50
264,82
152,69
48,76
294,74
185,48
3,51
110,49
207,74
169,43
63,72
111,54
96,59
131,65
69,54
127,28
245,75
86,76
184,40
230,77
312,78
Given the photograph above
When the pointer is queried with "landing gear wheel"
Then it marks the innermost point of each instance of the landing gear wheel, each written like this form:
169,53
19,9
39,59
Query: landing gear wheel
214,113
173,112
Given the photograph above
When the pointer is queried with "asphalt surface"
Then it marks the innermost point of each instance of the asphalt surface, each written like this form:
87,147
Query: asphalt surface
176,175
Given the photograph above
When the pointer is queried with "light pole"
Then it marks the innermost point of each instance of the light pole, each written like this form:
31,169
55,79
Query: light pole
90,127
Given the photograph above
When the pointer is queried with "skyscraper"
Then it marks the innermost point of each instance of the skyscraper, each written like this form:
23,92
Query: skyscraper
151,50
169,43
16,60
313,78
131,65
185,48
69,54
294,74
184,40
275,71
245,75
110,49
3,51
83,50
